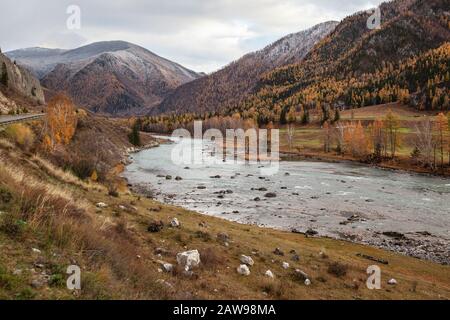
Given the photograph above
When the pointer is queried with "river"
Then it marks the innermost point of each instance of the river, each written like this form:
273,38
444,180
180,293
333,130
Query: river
341,200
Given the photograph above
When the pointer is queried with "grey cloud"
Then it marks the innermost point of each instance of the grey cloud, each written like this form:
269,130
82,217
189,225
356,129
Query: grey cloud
201,34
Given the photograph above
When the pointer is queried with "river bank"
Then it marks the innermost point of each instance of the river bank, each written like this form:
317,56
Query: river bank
401,212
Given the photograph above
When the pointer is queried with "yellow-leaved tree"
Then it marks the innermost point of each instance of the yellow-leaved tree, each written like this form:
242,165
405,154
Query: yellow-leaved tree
61,121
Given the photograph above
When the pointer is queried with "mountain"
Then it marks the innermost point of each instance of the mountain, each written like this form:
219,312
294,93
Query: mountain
17,85
113,77
233,83
406,59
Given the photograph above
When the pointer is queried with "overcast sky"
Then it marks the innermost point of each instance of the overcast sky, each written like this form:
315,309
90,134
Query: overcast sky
203,35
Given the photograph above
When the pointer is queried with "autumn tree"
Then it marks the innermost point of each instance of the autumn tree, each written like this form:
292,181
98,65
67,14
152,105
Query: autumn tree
355,139
441,135
337,115
391,125
305,116
327,134
377,135
61,121
290,128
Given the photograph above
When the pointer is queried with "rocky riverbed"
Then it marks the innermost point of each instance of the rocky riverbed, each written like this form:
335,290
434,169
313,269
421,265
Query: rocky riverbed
402,212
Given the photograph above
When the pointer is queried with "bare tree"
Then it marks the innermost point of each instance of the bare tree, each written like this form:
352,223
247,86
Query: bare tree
424,142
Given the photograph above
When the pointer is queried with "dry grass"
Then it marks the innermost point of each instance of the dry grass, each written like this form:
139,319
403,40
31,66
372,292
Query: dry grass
119,261
65,176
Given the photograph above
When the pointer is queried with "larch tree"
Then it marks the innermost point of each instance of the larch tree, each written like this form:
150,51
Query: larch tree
441,135
290,128
377,135
327,134
391,125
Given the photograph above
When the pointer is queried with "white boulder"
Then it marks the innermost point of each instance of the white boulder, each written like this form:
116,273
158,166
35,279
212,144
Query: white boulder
175,223
392,282
243,270
101,205
307,282
188,259
247,260
285,265
269,274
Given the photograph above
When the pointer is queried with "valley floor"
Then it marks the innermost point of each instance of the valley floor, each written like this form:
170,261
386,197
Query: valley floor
51,219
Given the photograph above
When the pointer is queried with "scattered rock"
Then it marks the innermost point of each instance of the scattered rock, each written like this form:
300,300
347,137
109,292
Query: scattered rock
285,265
382,261
175,223
161,251
392,282
243,270
167,267
17,272
201,187
269,274
215,177
278,252
270,195
168,177
178,178
257,199
246,260
307,282
39,282
101,205
36,250
295,257
188,259
394,234
155,226
311,232
300,275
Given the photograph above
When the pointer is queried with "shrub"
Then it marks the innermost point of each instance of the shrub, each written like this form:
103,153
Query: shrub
21,135
337,269
83,168
11,225
210,259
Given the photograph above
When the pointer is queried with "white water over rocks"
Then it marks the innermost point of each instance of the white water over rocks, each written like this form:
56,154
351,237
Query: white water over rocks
342,200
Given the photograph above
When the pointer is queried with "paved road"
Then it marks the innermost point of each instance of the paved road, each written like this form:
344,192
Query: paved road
5,120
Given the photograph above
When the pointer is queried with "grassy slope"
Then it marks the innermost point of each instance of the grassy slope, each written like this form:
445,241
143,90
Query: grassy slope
118,259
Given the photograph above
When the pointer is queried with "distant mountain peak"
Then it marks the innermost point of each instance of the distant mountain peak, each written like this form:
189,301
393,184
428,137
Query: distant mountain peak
115,77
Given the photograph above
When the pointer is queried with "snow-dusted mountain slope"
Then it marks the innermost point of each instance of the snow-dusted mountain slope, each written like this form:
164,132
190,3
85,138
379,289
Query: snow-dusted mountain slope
114,77
233,83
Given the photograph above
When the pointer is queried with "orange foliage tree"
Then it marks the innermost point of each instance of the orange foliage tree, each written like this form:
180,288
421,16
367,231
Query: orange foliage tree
441,135
61,121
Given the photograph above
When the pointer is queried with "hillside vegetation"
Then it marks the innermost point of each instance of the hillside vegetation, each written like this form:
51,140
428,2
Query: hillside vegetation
51,218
